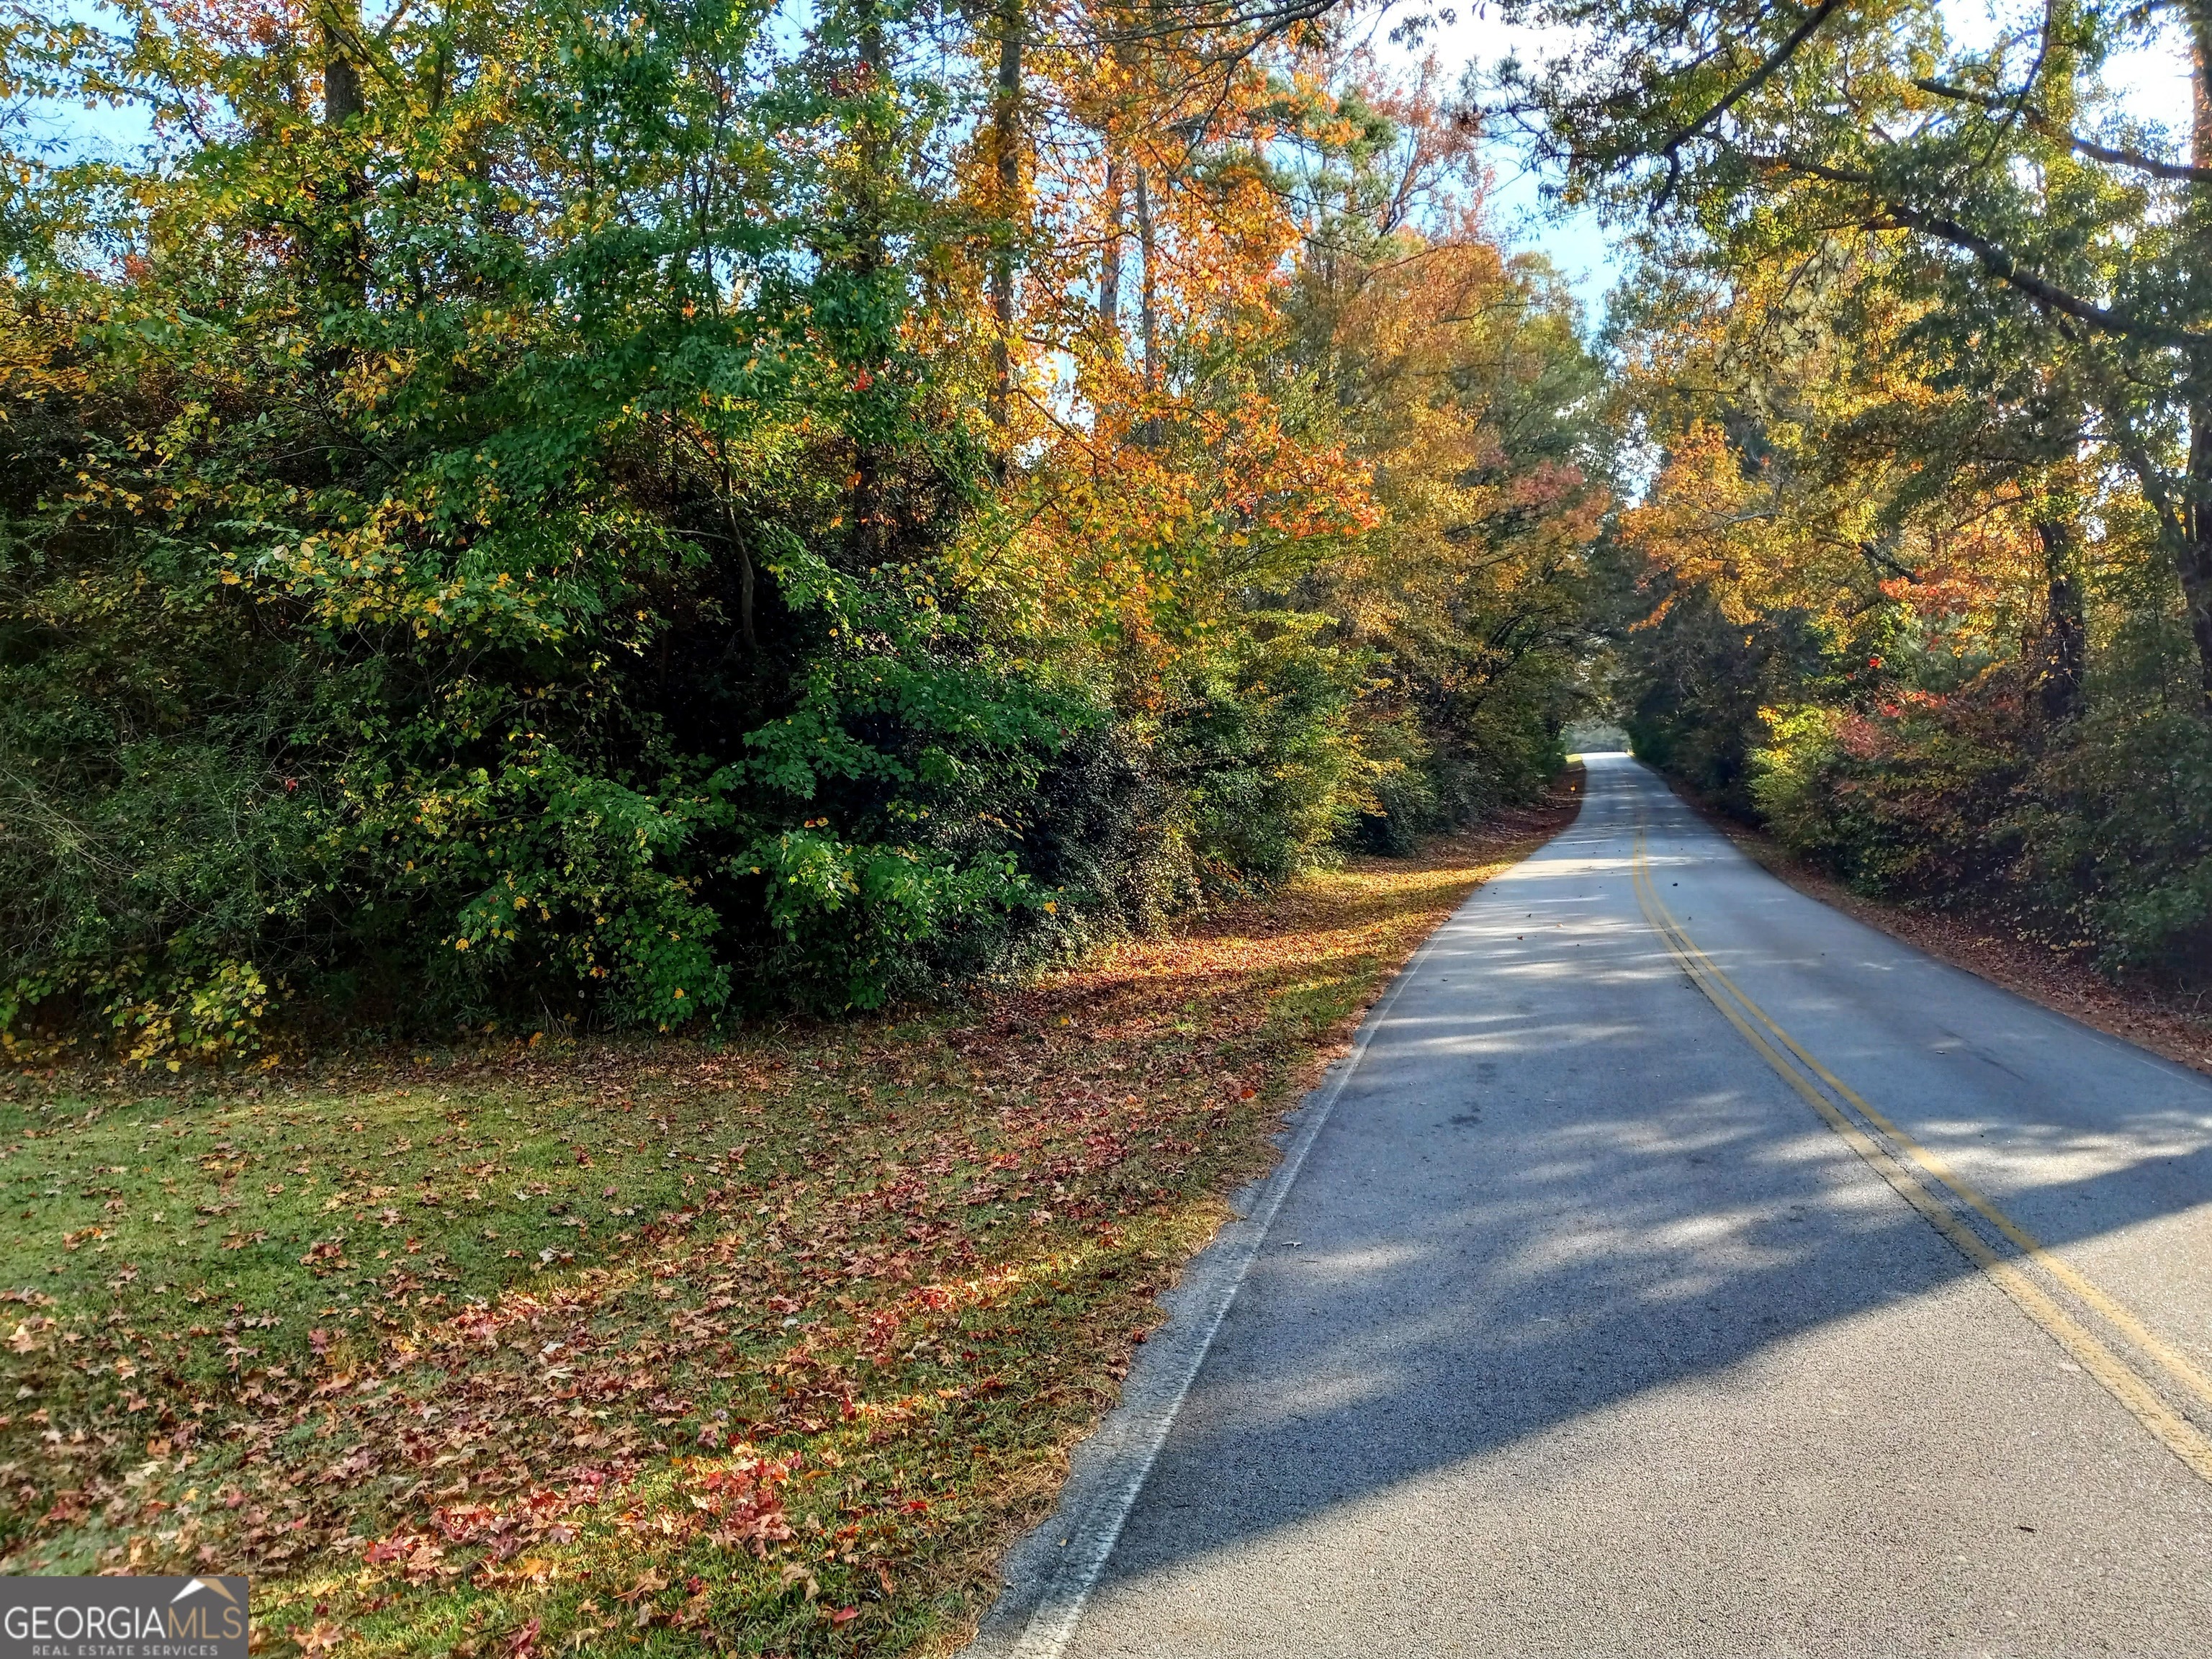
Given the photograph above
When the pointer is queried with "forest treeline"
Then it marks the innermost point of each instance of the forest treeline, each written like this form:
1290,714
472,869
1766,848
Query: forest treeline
636,512
1917,355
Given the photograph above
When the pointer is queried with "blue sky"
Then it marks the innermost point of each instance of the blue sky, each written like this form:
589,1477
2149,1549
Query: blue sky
2154,83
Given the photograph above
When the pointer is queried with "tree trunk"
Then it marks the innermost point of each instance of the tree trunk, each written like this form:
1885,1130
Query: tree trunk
2062,648
343,254
869,258
338,32
868,252
2193,557
745,560
1110,266
1147,318
1005,142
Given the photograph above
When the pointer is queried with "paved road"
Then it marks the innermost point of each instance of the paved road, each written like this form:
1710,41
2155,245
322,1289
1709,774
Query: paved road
1585,1330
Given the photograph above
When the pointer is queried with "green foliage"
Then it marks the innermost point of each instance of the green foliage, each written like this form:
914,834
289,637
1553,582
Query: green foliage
1900,802
1693,684
1409,797
1922,782
526,541
2115,836
1265,742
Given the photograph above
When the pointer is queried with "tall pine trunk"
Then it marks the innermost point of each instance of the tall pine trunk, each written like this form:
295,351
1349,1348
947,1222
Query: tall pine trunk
1147,313
870,260
1005,143
2193,554
1109,263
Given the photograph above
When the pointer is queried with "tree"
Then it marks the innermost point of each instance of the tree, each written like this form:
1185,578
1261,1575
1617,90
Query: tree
2050,228
629,514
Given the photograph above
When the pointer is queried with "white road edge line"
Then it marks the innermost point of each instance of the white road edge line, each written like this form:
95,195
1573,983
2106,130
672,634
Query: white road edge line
1135,1430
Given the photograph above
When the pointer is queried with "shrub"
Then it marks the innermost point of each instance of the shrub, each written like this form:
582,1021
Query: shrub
1262,748
2115,836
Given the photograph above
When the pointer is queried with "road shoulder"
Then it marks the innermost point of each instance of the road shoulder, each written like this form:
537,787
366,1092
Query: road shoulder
1989,948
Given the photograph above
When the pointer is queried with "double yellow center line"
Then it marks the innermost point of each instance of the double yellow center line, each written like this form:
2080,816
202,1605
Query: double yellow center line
1922,1180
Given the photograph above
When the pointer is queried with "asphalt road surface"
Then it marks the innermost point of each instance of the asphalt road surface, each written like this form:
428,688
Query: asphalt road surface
1682,1268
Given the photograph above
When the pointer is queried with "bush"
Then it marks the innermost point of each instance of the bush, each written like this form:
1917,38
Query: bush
2115,836
1899,799
2097,835
1408,800
1262,748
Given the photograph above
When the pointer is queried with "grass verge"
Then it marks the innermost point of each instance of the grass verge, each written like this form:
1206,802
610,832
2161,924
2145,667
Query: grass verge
768,1346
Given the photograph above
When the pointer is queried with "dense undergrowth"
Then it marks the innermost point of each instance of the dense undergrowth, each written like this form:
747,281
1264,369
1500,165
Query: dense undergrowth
1950,782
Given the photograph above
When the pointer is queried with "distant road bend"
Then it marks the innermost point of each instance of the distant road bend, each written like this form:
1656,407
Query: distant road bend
1679,1267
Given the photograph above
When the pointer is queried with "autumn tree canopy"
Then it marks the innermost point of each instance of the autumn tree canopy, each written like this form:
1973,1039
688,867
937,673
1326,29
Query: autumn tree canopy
634,513
1915,344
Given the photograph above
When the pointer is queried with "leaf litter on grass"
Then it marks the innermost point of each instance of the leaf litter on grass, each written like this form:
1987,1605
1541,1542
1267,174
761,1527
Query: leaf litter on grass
766,1348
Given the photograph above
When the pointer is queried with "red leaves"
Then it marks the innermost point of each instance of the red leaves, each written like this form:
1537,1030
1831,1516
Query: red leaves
418,1557
745,1504
325,1258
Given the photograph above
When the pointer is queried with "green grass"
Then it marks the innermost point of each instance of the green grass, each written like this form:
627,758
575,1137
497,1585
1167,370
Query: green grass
287,1210
768,1348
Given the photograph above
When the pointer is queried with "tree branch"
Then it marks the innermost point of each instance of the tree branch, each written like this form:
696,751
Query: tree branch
1759,77
2180,172
1997,260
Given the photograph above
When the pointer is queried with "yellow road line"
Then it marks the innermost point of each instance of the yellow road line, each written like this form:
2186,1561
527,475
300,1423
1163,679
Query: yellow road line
2176,1365
2176,1432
